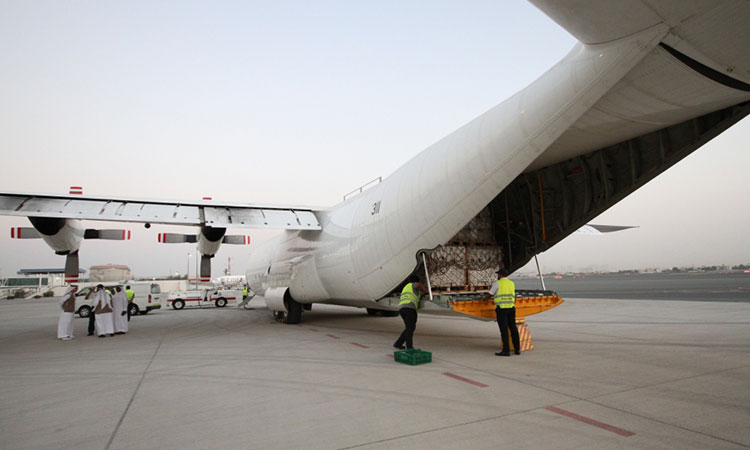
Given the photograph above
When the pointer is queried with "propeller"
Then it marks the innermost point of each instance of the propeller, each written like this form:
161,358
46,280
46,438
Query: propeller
205,268
71,267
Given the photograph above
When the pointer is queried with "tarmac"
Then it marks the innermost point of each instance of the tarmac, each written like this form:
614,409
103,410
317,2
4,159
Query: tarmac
603,374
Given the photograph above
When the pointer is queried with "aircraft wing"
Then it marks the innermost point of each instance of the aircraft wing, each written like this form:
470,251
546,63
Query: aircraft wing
198,213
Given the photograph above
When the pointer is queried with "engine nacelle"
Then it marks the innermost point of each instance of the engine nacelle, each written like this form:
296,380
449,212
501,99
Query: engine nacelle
209,240
64,236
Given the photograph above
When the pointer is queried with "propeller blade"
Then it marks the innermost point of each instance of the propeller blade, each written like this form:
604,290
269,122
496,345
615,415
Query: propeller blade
24,233
205,268
112,235
238,240
71,268
176,238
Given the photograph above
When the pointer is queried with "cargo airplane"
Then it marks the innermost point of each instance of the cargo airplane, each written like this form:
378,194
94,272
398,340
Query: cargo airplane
649,82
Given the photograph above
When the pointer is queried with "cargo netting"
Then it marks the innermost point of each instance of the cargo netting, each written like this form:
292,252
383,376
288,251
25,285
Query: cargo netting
468,261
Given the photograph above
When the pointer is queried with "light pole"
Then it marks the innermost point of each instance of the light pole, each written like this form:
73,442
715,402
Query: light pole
187,271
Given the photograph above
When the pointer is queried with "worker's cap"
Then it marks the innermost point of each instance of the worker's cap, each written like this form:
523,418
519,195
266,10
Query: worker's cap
503,271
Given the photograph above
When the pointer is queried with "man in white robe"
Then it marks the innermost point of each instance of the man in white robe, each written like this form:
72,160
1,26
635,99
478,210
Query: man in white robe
103,309
120,311
68,306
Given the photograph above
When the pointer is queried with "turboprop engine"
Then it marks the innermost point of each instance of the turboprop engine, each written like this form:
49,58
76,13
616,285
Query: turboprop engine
209,241
64,236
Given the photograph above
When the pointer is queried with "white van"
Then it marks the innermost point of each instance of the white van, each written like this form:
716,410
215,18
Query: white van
147,297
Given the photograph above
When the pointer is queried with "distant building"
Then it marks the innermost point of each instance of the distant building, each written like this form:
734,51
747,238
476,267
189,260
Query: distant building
38,277
109,272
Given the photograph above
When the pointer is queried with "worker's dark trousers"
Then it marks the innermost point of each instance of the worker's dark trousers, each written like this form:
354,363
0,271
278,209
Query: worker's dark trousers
506,318
410,324
91,322
128,311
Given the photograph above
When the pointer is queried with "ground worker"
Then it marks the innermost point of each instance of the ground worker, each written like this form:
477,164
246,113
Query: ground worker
130,295
68,307
92,311
245,297
102,307
503,292
407,309
119,311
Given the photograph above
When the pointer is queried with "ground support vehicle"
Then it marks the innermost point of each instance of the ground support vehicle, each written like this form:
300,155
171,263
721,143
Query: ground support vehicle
204,298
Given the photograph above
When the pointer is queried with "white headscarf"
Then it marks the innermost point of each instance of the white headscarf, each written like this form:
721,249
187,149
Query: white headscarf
67,294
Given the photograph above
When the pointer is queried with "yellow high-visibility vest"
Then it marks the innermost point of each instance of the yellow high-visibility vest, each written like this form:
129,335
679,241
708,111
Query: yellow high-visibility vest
506,294
129,294
408,296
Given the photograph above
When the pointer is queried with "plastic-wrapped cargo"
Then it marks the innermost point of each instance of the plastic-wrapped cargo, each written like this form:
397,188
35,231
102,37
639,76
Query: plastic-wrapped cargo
468,262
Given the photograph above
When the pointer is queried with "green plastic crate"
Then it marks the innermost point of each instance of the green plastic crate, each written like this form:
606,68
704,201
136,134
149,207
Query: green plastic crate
412,356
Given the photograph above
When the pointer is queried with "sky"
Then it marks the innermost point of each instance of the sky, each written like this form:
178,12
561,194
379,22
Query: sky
300,103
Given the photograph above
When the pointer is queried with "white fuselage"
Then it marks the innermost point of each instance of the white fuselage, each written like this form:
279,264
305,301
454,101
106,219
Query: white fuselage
370,243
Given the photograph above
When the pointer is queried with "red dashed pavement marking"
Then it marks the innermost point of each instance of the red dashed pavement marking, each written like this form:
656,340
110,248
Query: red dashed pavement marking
590,421
332,336
313,329
359,345
475,383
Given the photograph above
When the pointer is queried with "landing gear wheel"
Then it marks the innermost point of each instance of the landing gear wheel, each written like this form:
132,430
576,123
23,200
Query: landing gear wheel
294,311
178,304
221,302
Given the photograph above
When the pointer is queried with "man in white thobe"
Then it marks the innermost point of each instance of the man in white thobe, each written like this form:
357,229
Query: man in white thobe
68,306
120,311
103,309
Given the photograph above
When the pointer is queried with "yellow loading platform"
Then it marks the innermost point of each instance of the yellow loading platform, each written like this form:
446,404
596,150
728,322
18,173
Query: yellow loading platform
448,302
528,303
525,306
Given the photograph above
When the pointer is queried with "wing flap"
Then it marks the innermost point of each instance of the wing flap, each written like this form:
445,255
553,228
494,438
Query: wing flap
289,219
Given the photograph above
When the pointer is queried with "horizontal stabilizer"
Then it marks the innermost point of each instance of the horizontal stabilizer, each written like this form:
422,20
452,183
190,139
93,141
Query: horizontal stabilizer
111,235
24,233
176,238
599,229
238,240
